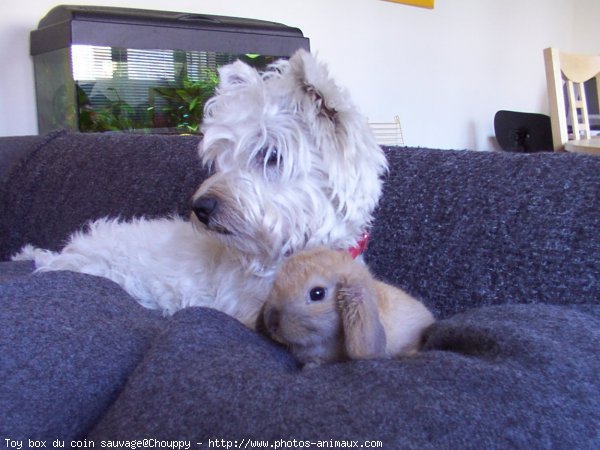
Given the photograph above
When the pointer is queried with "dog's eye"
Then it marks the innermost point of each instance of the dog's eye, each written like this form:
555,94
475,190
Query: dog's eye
269,160
317,294
271,157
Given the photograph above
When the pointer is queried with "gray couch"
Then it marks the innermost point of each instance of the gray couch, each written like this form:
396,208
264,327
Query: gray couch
504,248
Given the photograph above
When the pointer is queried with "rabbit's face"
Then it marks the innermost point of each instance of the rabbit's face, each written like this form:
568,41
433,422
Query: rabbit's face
304,314
324,306
301,310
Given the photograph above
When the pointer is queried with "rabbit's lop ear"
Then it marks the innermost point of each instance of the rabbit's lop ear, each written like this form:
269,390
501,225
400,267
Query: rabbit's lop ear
364,335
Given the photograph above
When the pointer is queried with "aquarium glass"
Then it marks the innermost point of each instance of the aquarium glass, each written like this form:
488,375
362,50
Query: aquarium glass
94,88
146,90
55,91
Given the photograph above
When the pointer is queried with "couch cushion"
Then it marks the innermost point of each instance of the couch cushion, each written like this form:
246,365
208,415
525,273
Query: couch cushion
12,270
462,229
500,377
77,177
68,342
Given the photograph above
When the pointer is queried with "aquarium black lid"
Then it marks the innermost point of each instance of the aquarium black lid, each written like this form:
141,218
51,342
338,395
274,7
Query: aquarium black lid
64,13
98,25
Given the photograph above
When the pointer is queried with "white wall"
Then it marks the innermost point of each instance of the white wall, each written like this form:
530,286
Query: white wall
445,71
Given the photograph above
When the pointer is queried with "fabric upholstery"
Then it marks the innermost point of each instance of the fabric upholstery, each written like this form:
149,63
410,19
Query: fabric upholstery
504,248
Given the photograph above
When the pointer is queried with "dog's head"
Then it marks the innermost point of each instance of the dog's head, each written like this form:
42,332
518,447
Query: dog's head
294,164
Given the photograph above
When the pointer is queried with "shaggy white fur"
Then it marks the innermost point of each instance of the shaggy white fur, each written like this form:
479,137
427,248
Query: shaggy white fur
294,166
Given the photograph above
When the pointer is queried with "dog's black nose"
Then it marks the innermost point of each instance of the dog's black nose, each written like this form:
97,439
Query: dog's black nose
204,207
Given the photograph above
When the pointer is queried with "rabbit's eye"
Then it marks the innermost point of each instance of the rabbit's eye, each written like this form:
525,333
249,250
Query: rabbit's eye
317,294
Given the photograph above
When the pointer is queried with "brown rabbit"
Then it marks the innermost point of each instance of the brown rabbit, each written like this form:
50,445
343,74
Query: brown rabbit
327,307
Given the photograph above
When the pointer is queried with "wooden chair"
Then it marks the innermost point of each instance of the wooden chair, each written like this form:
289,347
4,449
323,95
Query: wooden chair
571,70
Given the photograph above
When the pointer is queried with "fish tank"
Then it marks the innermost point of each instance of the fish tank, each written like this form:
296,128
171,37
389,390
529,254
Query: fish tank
121,69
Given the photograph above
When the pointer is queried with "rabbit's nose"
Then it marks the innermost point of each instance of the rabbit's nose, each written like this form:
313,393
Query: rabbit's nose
271,319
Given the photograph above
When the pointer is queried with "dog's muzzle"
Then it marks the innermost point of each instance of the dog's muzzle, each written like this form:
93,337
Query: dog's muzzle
205,209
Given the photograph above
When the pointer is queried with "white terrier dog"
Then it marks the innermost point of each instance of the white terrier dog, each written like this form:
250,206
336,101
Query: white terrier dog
294,166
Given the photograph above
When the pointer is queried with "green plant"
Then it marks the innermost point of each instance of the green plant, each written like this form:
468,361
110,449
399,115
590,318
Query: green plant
177,107
185,99
117,115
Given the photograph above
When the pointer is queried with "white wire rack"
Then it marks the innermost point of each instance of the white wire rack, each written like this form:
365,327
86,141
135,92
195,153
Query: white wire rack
388,133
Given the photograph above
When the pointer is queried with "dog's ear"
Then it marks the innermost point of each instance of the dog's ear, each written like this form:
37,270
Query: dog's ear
236,75
315,84
325,110
364,335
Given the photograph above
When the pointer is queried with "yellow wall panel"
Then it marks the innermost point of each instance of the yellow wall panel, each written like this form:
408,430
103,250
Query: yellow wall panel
421,3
